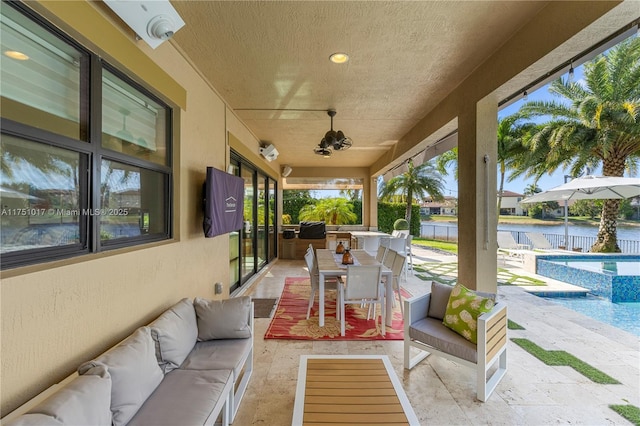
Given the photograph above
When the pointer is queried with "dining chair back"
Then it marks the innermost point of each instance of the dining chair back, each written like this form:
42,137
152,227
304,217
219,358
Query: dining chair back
361,286
314,278
381,253
389,258
396,270
408,254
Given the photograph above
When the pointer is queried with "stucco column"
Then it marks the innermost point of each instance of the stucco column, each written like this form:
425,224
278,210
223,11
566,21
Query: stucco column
373,204
477,198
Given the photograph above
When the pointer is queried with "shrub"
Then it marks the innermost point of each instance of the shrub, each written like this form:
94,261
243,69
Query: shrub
400,224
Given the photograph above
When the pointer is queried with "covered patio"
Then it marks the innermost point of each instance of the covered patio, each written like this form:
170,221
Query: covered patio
241,76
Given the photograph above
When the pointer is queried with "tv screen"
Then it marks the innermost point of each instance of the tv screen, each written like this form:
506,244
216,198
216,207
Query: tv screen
223,203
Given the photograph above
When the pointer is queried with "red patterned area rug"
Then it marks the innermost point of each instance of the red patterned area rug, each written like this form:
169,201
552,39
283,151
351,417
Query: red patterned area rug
290,320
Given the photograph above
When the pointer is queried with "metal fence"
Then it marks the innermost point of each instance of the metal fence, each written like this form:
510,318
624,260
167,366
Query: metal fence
575,243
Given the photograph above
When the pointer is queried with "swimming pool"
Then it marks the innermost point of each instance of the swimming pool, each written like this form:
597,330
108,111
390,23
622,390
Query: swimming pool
615,276
621,315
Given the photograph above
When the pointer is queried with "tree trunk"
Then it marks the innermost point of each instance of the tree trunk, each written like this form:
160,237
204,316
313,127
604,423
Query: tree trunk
502,173
407,214
607,238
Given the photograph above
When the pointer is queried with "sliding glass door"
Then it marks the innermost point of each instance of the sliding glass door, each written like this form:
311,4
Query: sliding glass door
252,247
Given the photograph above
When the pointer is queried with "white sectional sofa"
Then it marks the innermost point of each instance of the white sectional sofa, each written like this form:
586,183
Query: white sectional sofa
191,366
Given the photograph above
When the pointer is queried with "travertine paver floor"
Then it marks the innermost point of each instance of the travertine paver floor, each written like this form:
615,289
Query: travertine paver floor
442,392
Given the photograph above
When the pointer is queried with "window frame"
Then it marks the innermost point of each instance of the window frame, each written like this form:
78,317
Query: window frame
91,153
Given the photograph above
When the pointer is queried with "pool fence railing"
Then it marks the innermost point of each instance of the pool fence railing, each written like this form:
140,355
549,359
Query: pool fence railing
576,242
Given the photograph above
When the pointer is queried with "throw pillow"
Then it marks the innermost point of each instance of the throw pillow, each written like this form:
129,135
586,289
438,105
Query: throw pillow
85,400
223,319
440,294
134,372
463,310
175,333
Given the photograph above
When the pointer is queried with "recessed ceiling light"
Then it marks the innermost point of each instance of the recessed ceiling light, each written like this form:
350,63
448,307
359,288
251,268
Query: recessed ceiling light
339,58
16,55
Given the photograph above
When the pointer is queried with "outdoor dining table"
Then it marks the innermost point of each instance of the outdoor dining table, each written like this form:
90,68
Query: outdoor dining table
330,265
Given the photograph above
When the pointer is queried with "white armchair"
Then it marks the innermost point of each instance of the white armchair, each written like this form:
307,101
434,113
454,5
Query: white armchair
424,330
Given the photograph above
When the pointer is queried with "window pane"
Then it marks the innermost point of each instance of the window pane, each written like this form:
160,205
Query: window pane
132,202
336,201
40,76
40,195
132,123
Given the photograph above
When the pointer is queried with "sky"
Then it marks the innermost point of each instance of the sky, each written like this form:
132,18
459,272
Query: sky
519,184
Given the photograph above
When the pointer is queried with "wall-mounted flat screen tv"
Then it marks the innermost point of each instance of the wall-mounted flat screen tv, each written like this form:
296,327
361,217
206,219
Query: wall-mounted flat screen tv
223,203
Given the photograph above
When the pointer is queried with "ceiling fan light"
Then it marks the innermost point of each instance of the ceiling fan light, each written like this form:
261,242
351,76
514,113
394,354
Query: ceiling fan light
324,151
333,140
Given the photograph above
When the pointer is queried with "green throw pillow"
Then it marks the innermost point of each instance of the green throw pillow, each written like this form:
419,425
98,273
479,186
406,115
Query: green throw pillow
463,310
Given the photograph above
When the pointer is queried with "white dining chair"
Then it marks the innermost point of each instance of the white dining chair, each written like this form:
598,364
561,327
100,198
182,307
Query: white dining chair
381,253
397,269
361,286
314,278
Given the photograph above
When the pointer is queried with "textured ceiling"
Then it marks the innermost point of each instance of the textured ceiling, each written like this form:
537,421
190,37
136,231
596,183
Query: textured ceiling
265,57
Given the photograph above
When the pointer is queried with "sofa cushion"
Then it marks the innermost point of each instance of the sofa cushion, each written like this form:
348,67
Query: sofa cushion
228,354
432,332
134,371
85,400
223,319
439,298
185,397
463,310
33,420
174,333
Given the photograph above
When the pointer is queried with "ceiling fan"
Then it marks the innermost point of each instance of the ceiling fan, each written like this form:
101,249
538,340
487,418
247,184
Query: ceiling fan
332,140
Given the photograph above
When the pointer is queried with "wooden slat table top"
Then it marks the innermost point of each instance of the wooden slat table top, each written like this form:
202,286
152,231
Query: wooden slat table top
327,261
334,390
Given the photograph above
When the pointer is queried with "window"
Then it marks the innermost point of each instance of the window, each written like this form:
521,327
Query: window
63,192
336,201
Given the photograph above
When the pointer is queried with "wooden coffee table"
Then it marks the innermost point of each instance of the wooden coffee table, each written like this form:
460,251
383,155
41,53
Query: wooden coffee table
350,389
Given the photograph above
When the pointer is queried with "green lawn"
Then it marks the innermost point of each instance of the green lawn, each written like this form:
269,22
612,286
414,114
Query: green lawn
440,245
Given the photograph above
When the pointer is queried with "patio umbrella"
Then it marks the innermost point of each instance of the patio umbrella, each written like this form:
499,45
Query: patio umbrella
588,188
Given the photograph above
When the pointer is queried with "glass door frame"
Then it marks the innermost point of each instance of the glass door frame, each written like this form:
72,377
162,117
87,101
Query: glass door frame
240,165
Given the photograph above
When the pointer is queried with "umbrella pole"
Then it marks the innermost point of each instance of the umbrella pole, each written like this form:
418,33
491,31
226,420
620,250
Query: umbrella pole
566,217
566,225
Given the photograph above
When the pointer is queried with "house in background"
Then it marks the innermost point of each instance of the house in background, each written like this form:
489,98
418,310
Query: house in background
510,205
446,207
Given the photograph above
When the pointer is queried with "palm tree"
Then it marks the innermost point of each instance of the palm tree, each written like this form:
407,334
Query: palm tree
350,194
417,182
443,160
532,189
510,136
597,124
511,133
333,211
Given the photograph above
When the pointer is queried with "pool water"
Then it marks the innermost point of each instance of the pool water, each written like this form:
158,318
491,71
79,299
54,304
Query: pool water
619,267
625,316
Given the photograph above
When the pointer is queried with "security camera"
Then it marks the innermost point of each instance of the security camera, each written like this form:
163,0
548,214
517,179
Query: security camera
161,27
286,170
154,21
269,152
